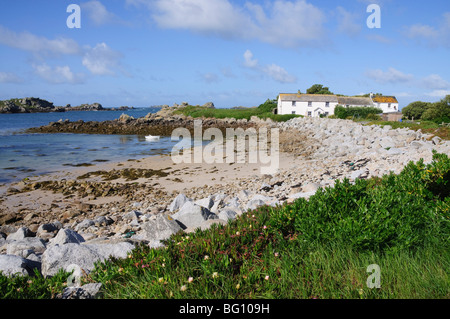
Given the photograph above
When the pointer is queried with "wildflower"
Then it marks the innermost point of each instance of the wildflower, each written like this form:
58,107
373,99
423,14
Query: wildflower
265,227
276,254
238,233
120,269
266,278
215,274
163,265
183,288
206,257
361,291
129,256
161,279
238,286
190,279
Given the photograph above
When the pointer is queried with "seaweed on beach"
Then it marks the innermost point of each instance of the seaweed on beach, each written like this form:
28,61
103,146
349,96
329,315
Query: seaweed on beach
129,174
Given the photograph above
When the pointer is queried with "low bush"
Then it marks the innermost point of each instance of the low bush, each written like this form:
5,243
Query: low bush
388,214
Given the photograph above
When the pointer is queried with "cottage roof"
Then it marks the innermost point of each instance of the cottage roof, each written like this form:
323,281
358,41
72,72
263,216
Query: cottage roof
350,100
385,99
308,97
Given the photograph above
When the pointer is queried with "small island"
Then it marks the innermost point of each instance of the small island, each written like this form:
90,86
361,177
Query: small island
37,105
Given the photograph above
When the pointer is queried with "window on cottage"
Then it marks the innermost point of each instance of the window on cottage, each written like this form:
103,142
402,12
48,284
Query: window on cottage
293,103
389,105
327,104
293,112
309,103
309,113
327,113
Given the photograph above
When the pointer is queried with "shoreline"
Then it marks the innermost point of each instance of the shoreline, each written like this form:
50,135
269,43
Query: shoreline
124,201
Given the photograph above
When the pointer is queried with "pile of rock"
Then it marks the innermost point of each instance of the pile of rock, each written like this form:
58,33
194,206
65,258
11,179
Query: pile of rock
55,246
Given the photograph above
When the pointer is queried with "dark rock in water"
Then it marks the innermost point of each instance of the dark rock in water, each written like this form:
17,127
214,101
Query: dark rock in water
154,124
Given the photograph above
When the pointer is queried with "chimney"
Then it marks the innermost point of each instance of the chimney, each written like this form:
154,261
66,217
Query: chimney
371,95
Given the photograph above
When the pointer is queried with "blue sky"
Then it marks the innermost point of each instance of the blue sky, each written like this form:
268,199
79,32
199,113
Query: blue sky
231,52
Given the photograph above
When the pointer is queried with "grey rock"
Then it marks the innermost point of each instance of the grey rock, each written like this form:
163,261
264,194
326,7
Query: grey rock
395,151
48,228
159,228
254,204
66,236
83,255
12,266
84,224
192,215
17,247
265,187
301,195
132,216
205,225
178,202
357,174
227,214
205,202
88,291
103,221
310,187
21,233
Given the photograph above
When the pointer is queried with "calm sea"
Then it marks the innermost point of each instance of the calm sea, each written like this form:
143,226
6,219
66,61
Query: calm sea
26,155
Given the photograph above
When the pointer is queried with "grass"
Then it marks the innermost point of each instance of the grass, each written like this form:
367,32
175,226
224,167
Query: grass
244,113
425,126
319,248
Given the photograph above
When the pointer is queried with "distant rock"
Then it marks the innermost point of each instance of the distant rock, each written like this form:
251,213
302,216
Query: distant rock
209,105
28,105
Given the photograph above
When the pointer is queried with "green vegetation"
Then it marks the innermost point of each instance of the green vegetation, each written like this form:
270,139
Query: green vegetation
319,89
319,248
438,112
343,112
425,126
263,111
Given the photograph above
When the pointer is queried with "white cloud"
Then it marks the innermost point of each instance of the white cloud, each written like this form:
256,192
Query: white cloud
347,22
279,74
58,74
435,82
210,77
275,72
101,60
249,61
434,35
283,23
439,93
9,78
98,13
40,45
390,76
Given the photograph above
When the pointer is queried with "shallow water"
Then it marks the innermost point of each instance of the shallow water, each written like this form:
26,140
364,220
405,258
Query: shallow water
26,155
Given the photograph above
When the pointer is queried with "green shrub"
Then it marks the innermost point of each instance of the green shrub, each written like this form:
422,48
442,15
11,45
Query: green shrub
392,213
352,112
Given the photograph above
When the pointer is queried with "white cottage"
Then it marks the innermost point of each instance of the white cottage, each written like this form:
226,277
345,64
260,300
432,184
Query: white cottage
388,104
312,105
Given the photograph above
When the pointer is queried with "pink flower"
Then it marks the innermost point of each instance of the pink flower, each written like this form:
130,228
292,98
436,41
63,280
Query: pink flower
266,278
190,279
265,227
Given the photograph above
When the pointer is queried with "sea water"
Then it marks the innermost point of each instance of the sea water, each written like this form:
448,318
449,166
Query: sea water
26,155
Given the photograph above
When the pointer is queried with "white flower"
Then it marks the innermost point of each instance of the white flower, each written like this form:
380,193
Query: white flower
183,288
190,279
